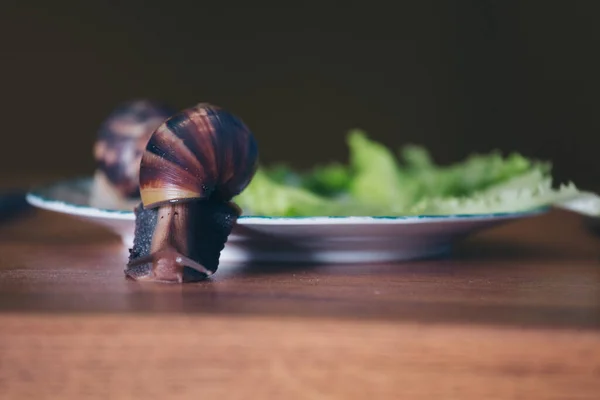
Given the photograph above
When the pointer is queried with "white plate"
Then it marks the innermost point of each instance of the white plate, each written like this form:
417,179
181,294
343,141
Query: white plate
302,239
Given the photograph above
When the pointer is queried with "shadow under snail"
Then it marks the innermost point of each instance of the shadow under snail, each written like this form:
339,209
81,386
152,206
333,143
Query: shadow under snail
192,167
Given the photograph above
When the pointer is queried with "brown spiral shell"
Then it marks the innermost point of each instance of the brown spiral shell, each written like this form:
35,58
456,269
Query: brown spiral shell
199,153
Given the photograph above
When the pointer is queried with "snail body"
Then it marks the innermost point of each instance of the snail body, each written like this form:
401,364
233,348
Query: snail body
194,163
120,143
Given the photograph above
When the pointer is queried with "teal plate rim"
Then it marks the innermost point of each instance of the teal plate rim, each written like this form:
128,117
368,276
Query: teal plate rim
37,197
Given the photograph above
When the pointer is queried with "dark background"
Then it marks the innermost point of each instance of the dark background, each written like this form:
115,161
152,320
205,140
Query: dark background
455,76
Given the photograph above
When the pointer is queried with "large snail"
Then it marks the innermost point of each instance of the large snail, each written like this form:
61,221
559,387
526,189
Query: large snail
193,165
118,149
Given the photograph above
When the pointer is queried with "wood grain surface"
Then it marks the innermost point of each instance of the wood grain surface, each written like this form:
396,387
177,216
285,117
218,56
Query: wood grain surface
513,313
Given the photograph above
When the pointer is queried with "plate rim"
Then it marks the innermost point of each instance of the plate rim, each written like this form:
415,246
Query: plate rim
36,198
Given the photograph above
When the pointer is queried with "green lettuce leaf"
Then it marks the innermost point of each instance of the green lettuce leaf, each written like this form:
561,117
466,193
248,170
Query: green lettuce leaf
377,183
268,197
528,192
328,180
477,172
377,180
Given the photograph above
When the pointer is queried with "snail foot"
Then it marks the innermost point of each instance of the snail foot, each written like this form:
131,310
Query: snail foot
166,265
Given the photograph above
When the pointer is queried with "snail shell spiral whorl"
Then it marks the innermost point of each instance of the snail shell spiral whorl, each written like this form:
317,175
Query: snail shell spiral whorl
202,152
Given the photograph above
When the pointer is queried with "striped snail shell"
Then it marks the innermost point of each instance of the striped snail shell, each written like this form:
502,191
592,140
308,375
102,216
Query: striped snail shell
120,143
201,152
193,165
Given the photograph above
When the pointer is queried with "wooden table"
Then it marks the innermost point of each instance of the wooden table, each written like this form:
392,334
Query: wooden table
514,313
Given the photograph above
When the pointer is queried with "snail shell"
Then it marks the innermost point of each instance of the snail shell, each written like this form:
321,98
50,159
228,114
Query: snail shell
118,150
193,165
202,152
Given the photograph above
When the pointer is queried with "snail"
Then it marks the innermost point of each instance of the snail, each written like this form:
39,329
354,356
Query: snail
193,165
121,140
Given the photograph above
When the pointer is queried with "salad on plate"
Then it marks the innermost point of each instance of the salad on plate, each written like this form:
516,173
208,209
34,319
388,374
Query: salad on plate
376,181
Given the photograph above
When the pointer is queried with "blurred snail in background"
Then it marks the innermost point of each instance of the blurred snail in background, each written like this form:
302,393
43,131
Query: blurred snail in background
120,143
192,167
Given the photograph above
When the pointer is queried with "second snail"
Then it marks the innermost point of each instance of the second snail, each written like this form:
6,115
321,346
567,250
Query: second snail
195,162
121,140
